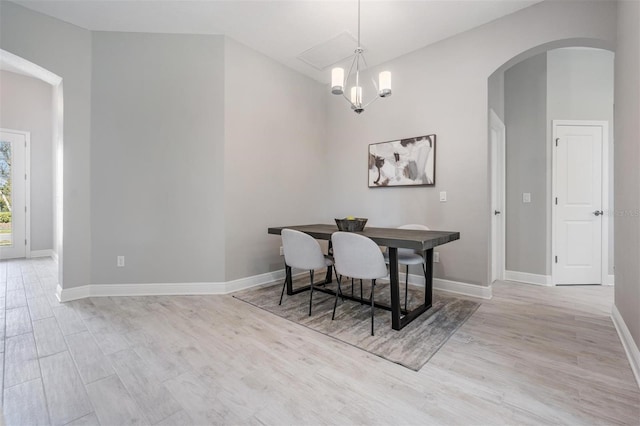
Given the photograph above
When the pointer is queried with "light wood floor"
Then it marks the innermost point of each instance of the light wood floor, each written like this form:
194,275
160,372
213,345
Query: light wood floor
531,355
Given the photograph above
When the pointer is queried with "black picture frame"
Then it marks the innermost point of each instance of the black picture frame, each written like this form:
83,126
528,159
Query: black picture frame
402,162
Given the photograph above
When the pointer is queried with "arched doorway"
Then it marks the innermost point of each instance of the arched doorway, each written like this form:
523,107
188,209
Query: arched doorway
522,184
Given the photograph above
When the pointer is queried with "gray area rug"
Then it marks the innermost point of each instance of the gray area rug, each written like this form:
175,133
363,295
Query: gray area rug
411,347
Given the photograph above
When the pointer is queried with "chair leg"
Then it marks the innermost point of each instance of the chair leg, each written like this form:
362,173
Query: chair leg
351,287
311,295
335,303
284,284
373,285
406,287
361,292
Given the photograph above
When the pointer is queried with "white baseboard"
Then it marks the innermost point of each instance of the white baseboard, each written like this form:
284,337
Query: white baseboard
166,289
611,279
41,253
525,277
451,286
185,289
630,347
463,288
54,256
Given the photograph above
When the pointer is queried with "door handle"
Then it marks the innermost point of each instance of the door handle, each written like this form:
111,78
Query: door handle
598,212
497,212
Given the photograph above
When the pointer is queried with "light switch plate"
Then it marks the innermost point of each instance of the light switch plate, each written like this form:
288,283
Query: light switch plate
436,257
526,197
120,261
443,196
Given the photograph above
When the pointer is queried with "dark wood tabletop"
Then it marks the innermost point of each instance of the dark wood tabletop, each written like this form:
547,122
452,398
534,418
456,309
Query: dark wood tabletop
389,237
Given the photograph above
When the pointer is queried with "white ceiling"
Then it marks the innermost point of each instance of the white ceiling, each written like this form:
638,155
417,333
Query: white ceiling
283,30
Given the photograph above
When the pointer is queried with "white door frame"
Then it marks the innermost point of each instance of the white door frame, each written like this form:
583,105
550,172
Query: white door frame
605,193
27,188
498,190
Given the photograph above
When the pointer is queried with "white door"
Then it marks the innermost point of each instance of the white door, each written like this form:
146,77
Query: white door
13,174
497,135
578,204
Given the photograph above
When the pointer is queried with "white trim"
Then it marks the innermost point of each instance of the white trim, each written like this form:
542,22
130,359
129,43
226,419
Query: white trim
449,286
54,256
213,288
525,277
630,347
463,288
27,186
29,68
166,289
498,169
27,192
606,208
611,279
41,253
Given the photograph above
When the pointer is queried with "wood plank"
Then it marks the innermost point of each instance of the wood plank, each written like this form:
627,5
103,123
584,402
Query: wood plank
66,396
144,386
92,364
113,404
68,320
25,404
49,339
21,360
17,321
39,308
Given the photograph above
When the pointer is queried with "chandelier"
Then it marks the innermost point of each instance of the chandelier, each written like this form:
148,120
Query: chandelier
338,80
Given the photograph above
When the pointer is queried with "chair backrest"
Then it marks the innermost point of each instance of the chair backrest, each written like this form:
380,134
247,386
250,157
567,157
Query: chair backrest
411,226
357,256
301,250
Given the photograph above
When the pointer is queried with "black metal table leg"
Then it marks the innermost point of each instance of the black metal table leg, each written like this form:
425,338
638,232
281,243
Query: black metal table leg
395,289
428,283
328,279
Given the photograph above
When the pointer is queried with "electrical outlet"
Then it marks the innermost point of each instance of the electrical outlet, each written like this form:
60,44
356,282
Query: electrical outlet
436,257
526,197
281,251
443,196
120,262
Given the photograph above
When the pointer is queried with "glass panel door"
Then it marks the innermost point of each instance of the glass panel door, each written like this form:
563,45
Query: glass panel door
13,193
6,228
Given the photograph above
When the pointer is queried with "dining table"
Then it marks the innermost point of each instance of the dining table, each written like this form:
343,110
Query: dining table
393,238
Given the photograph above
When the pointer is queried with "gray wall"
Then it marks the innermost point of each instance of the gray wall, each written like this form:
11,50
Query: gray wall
66,51
443,89
627,158
26,104
157,158
276,162
526,165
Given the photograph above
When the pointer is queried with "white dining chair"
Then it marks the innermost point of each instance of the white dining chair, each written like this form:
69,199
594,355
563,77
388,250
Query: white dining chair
302,251
409,257
358,257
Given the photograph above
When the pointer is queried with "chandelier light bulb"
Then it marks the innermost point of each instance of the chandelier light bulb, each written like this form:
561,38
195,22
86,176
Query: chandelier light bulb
356,96
337,81
384,84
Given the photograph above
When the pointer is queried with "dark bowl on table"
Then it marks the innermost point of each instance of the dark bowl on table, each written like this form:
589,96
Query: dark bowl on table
351,225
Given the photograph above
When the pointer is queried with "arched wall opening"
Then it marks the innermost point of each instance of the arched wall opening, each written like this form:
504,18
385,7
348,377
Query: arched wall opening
23,66
527,101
